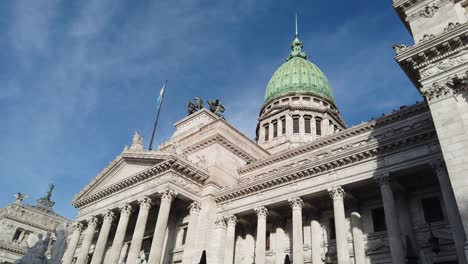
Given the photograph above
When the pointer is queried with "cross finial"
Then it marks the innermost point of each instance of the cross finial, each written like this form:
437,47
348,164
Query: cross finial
297,34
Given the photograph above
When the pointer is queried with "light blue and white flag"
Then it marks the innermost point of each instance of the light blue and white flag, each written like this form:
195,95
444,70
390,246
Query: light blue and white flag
161,95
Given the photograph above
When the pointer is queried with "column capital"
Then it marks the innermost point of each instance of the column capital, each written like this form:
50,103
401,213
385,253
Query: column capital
145,202
78,226
109,216
168,193
127,209
296,203
194,207
261,211
439,166
220,222
336,193
383,180
93,221
231,220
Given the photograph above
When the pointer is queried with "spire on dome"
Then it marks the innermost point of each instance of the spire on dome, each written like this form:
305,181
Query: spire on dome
296,46
137,142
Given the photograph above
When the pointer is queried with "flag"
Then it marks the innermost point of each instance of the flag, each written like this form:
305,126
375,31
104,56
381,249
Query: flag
161,95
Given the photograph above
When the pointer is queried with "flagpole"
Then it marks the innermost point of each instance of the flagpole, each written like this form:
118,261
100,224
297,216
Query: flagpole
157,117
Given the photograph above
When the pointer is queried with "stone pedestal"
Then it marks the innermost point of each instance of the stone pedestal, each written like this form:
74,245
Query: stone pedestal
70,253
260,244
167,196
337,194
87,240
189,253
139,232
298,251
391,219
117,244
230,239
102,239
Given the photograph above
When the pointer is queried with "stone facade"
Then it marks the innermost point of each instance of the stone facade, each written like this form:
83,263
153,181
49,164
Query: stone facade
390,190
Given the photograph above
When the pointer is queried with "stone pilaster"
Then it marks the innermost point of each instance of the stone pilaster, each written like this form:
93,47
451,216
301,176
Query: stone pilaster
391,219
167,196
87,240
230,239
260,245
453,215
190,242
125,212
316,240
70,253
358,240
337,194
139,232
102,239
298,251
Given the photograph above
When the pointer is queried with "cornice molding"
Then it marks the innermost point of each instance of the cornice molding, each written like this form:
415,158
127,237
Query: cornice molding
25,222
11,248
345,134
170,164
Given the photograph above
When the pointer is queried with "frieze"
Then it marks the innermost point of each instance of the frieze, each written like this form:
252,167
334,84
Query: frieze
451,26
334,138
444,65
420,132
452,86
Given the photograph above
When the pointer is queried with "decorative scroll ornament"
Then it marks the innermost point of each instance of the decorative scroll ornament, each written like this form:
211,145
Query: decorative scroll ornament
451,26
231,220
261,211
109,216
296,203
168,194
126,210
429,11
194,207
220,222
426,38
400,48
337,193
146,202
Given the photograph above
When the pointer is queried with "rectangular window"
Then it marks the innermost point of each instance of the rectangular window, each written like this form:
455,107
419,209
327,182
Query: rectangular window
307,124
184,235
283,126
267,132
378,219
318,127
331,228
267,241
432,209
295,124
275,129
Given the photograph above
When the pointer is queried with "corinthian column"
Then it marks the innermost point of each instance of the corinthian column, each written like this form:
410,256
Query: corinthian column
393,229
230,238
167,196
450,203
139,232
260,246
88,239
219,241
102,239
190,241
70,253
337,194
358,241
116,248
296,205
316,240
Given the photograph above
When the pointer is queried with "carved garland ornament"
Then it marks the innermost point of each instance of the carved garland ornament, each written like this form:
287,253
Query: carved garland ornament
429,11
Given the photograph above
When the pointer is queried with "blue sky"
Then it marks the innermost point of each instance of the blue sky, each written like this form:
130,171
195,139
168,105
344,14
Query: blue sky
78,77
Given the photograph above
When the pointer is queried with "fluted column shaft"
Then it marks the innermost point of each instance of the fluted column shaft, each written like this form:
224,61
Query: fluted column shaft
87,240
450,203
102,239
167,196
117,244
139,232
70,253
260,244
230,239
316,239
358,241
296,205
337,194
218,245
391,219
190,241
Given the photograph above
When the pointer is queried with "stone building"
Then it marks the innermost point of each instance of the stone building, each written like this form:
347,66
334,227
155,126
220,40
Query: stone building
20,225
391,190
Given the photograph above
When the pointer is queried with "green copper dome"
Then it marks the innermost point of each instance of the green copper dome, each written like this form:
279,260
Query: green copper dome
298,75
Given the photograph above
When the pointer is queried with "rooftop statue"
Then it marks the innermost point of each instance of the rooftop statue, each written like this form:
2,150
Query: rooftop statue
214,106
46,202
20,197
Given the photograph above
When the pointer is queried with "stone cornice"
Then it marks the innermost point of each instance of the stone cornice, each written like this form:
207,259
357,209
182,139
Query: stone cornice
12,248
37,210
29,223
328,163
348,133
172,163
